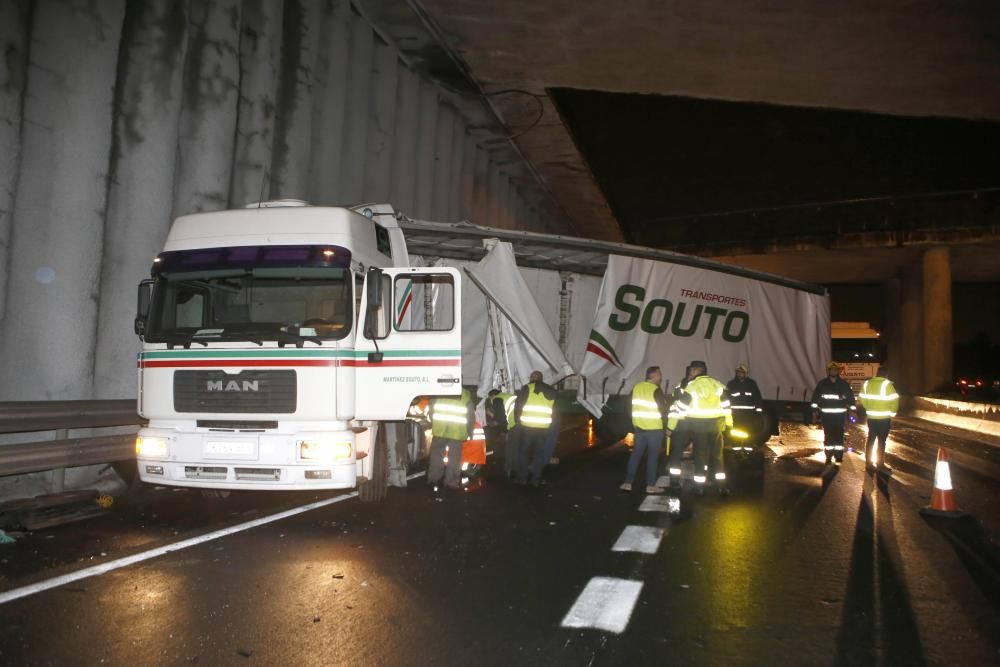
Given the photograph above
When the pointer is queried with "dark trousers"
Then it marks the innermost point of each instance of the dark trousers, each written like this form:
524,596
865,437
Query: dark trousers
708,461
833,434
532,448
679,440
435,468
877,429
512,452
646,443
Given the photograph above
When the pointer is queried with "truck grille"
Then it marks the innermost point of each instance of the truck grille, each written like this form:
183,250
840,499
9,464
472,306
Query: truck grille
255,391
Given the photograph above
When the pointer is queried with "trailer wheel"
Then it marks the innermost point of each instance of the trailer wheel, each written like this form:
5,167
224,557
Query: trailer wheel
374,489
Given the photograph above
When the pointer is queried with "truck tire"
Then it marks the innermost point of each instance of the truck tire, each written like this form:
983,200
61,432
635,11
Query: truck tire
373,490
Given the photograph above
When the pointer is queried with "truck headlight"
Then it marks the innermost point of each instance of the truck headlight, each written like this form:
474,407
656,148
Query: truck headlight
147,446
320,450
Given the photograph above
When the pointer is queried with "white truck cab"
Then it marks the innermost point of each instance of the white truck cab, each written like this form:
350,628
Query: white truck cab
271,333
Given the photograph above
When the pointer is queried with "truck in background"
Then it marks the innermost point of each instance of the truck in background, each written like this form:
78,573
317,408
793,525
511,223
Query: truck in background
856,346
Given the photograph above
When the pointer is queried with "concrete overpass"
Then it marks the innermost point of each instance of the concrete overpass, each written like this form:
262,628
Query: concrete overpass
116,117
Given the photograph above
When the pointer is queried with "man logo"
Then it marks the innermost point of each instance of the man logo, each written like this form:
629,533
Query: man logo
232,385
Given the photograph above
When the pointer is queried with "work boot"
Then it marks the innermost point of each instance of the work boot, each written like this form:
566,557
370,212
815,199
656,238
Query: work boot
625,487
653,490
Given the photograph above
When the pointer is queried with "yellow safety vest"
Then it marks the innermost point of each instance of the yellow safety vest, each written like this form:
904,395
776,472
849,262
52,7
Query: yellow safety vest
645,410
879,398
508,407
537,410
702,399
450,416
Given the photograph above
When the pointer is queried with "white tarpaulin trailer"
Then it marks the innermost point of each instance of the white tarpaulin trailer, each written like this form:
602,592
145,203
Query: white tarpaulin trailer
651,307
660,313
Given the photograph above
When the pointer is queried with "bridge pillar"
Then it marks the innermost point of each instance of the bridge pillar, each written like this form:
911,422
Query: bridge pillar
937,325
909,361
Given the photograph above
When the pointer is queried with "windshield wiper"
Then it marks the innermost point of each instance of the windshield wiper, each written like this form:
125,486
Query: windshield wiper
299,341
178,339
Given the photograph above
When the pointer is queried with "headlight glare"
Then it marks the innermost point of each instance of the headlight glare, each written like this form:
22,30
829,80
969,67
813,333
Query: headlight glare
150,447
325,450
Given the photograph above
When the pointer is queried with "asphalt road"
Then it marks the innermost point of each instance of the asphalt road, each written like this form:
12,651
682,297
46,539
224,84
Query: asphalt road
804,564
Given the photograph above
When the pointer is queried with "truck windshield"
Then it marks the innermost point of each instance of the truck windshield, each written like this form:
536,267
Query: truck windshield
288,294
857,350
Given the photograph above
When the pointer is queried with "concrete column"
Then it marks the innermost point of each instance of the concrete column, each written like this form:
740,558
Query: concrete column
293,140
207,134
937,319
49,331
260,55
404,162
503,200
909,361
891,338
429,107
467,186
493,196
457,169
141,192
359,78
480,191
330,106
381,125
14,40
443,137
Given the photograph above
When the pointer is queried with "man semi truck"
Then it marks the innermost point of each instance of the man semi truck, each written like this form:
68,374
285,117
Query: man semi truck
277,338
274,336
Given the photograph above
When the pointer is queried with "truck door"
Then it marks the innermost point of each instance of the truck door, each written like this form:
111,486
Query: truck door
409,340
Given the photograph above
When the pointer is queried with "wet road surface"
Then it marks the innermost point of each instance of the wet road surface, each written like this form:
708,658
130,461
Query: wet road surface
804,564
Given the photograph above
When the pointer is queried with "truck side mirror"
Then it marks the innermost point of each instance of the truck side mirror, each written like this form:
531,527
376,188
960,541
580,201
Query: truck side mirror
143,300
375,315
374,288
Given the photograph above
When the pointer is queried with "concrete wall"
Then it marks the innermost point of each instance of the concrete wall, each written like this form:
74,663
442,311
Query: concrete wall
116,117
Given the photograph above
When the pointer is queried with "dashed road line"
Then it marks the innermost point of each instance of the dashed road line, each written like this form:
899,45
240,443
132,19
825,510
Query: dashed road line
641,539
660,503
606,603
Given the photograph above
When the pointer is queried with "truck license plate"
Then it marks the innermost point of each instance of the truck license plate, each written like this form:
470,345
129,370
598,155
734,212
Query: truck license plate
230,448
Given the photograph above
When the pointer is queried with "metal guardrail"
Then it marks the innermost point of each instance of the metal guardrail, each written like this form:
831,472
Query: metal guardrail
64,452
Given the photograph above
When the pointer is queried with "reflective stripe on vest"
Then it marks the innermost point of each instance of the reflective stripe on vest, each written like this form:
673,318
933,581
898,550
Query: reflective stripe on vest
881,402
508,407
537,410
450,416
645,410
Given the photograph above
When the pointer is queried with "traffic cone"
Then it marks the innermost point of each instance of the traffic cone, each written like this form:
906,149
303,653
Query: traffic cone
943,496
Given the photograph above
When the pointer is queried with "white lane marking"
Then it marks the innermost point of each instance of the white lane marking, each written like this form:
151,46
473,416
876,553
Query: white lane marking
643,539
117,564
656,504
606,603
663,482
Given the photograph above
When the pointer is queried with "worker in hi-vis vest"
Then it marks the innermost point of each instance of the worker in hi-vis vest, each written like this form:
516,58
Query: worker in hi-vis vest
832,400
705,411
452,421
647,408
880,401
678,437
534,407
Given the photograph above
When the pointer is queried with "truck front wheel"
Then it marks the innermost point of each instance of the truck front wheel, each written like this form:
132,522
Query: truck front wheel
373,489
